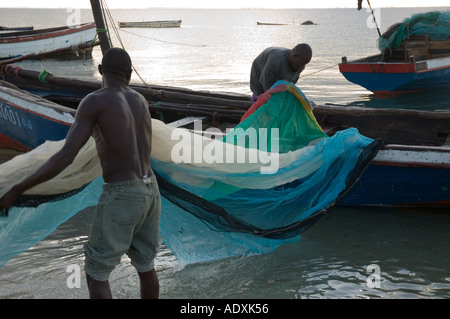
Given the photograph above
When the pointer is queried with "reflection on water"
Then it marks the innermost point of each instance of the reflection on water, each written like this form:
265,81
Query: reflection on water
434,100
331,261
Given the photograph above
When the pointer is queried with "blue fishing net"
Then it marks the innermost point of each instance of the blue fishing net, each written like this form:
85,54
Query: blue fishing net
241,211
215,208
34,218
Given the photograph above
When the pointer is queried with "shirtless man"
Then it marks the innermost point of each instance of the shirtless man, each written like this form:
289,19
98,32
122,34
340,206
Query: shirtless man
127,216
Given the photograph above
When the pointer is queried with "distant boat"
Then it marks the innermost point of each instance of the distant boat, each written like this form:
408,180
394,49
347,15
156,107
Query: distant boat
16,28
151,24
66,40
308,22
270,23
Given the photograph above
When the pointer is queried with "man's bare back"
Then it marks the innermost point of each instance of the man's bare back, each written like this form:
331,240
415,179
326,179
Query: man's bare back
122,132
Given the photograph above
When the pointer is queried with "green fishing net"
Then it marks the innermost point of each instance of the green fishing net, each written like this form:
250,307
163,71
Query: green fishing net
434,24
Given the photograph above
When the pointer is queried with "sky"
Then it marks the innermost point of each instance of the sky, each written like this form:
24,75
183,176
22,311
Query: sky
270,4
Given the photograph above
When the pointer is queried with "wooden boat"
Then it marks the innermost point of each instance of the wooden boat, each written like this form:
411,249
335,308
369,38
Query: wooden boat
413,166
398,76
151,24
307,22
62,41
411,169
269,23
418,64
49,121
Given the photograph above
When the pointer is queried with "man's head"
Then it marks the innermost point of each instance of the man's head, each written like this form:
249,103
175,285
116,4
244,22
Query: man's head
299,57
116,61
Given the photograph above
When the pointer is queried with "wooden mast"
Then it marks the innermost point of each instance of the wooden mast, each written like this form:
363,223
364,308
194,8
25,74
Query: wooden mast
100,23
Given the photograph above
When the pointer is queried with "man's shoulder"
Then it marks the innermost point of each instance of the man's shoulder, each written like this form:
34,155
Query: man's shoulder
277,53
276,57
96,99
277,49
270,55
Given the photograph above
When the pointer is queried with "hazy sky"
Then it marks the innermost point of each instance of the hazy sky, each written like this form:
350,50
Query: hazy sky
224,4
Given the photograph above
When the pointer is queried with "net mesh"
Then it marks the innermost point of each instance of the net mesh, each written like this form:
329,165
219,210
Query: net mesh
434,24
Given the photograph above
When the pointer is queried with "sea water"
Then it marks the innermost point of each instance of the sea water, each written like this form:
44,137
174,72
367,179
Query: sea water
350,253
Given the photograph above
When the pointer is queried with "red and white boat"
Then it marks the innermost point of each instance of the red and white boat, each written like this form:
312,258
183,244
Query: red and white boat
415,57
394,77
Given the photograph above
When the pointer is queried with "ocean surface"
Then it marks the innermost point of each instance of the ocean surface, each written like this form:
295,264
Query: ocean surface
350,253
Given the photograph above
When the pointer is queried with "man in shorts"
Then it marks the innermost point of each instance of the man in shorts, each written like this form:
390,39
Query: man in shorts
126,220
274,64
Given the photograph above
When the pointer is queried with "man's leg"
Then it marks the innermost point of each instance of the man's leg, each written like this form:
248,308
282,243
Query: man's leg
149,284
98,289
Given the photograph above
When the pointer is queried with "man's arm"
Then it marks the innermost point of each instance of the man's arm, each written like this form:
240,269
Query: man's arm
77,136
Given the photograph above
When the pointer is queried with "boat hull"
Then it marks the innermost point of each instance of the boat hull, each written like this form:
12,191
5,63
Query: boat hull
399,176
40,42
27,121
151,24
398,77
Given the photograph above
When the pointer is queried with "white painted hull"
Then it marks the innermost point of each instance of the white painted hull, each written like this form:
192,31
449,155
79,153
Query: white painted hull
40,43
151,24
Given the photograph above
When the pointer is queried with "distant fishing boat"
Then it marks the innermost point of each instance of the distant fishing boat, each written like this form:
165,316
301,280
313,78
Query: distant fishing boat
415,57
151,24
62,41
269,23
307,22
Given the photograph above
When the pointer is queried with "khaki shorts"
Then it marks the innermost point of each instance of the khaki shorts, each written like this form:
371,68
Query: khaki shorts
126,221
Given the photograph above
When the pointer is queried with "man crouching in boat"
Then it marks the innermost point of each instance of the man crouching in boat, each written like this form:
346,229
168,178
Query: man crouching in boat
128,213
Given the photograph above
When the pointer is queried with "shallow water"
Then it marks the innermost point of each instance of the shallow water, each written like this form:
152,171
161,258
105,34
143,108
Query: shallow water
410,247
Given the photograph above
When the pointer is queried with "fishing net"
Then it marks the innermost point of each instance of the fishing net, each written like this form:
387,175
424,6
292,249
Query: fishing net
434,24
295,127
221,197
267,200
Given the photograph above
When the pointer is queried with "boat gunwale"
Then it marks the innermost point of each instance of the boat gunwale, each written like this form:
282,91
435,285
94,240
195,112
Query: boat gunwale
48,33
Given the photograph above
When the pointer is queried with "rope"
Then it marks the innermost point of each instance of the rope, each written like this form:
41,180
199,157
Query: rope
107,13
328,67
163,41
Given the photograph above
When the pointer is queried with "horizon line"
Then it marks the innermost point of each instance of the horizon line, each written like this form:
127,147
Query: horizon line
231,8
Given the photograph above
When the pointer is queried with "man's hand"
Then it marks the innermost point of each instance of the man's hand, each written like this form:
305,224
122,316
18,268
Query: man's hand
7,201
